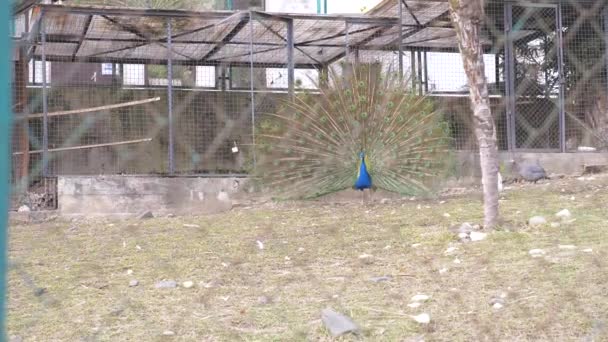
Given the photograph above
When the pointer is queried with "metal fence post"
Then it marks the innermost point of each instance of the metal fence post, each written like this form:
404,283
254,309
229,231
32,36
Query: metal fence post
45,105
290,64
562,81
170,96
509,78
251,92
400,39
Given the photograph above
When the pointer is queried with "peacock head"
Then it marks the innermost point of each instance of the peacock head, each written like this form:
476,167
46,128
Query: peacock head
361,155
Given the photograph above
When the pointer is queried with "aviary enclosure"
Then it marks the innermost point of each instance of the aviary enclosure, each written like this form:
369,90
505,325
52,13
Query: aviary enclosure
101,90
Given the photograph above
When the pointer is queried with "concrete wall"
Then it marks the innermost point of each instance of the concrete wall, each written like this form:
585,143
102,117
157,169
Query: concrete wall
569,164
132,195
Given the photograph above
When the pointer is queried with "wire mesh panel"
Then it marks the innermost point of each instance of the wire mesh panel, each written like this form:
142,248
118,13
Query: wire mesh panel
585,76
536,76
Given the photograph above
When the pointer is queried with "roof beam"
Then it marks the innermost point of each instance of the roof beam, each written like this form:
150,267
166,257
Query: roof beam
139,34
411,12
286,41
84,34
228,37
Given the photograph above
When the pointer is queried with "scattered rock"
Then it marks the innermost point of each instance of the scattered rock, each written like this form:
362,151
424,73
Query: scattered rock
166,284
414,305
170,215
555,224
338,324
564,214
443,270
129,272
380,279
301,249
147,214
423,318
566,247
536,221
497,302
24,209
450,250
15,338
446,215
190,225
478,236
263,300
365,256
420,298
260,244
416,245
168,333
466,228
588,250
133,283
39,291
385,201
457,261
535,253
188,284
464,237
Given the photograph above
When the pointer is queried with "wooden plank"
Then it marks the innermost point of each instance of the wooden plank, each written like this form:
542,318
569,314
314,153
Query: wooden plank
94,109
82,147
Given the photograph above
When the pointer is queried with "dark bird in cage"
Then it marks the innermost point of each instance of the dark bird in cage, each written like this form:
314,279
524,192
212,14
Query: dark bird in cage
528,171
364,130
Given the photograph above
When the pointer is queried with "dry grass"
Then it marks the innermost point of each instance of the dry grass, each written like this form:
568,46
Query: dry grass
311,260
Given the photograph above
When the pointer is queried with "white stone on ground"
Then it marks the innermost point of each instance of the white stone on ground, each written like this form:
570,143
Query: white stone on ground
537,252
536,221
420,298
564,214
423,318
478,236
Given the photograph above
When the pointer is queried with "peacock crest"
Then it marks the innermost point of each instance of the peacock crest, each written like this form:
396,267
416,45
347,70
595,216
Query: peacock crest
317,143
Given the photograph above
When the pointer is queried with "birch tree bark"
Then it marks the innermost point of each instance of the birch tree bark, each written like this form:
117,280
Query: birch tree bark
467,18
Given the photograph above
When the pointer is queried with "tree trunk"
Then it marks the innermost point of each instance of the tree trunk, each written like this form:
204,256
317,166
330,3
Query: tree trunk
467,17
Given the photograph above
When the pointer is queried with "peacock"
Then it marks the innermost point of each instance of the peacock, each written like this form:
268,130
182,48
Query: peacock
363,129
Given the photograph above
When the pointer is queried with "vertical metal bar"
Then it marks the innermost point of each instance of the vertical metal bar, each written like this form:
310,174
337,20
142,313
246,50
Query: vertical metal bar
413,68
426,73
562,82
45,104
170,97
400,39
419,56
251,93
346,38
325,6
605,15
290,64
318,6
509,77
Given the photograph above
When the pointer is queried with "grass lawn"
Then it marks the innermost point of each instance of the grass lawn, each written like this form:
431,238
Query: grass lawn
69,281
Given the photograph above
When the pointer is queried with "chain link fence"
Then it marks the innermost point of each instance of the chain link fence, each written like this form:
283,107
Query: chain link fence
113,91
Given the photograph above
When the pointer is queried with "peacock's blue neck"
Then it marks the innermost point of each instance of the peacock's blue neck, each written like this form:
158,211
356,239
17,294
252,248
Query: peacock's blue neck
364,180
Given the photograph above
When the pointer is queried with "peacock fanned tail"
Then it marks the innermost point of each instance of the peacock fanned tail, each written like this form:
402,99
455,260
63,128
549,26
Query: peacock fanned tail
311,145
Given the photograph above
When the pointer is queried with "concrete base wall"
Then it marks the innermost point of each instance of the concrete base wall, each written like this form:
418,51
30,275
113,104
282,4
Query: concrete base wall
131,195
569,164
